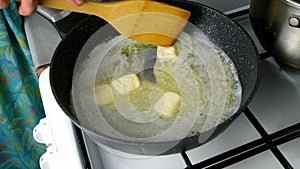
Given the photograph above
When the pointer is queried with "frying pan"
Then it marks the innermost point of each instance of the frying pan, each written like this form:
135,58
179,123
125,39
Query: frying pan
220,29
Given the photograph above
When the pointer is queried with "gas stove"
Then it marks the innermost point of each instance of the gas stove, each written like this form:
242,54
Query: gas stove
265,135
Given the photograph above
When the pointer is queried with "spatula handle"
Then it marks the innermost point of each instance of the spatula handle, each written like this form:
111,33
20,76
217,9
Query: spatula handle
147,21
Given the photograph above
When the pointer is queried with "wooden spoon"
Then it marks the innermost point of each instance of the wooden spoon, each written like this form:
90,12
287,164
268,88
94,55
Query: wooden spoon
142,20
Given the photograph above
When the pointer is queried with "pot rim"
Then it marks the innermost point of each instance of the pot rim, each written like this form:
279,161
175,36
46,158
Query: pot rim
295,3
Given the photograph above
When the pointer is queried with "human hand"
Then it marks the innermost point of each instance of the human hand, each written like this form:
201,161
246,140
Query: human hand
27,7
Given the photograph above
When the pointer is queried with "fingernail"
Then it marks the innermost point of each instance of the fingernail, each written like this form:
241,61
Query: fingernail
26,11
21,11
79,2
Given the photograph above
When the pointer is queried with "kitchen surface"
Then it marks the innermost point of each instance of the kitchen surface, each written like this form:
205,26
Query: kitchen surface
265,135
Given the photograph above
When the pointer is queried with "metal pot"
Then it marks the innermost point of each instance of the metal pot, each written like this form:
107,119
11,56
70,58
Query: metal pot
277,26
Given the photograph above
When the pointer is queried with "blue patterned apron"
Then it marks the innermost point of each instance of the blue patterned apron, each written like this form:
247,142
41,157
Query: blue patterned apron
20,101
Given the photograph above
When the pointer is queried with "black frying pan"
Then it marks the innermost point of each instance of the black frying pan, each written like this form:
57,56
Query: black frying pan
220,29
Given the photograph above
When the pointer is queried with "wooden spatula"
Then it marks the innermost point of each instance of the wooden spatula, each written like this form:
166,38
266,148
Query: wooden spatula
143,20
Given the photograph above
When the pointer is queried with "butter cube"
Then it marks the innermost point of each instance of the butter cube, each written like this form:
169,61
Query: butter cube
103,94
126,83
168,104
166,52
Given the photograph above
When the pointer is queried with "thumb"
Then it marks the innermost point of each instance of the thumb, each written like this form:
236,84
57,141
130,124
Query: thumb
27,7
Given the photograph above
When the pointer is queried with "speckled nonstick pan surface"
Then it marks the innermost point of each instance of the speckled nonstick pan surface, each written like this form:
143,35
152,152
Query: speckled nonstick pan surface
221,30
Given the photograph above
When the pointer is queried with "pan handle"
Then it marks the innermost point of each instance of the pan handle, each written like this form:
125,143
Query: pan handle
53,15
62,20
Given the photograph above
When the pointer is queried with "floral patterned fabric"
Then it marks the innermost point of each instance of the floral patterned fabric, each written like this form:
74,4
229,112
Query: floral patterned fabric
20,102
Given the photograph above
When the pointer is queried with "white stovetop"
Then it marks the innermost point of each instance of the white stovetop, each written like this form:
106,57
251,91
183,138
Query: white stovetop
275,105
63,152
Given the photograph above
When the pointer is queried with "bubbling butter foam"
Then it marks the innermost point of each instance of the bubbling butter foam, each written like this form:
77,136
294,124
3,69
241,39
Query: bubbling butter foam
200,73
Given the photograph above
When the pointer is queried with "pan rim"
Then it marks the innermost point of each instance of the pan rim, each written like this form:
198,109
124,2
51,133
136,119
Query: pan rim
141,143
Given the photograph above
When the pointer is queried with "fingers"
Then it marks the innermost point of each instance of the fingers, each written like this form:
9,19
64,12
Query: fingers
4,3
76,2
27,7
